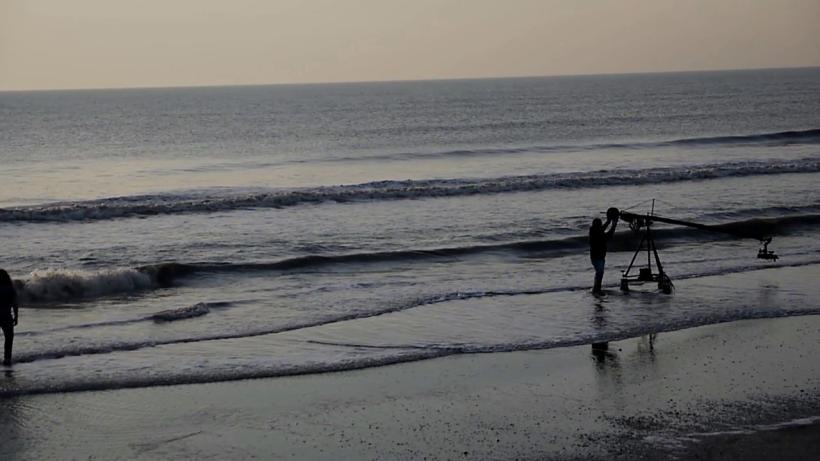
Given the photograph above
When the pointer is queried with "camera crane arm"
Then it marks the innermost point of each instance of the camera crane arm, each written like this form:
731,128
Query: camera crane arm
636,221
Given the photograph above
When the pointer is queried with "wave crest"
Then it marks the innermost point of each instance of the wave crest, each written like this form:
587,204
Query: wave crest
779,138
782,137
65,284
149,205
70,284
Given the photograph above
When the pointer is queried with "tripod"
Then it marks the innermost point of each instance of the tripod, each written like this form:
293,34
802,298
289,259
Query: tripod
645,273
645,221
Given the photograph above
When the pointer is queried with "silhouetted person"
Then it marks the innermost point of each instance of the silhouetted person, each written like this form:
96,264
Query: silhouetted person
598,235
9,312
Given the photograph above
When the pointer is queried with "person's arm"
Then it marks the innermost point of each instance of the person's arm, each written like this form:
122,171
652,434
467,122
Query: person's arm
612,230
16,306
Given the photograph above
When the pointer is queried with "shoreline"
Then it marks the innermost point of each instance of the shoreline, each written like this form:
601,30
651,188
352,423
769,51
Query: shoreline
784,291
625,402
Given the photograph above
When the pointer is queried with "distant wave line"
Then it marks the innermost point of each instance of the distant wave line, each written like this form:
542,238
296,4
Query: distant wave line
768,139
150,205
765,139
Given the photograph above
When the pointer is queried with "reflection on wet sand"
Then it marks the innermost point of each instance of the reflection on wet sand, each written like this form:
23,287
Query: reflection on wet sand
646,349
605,360
11,422
609,365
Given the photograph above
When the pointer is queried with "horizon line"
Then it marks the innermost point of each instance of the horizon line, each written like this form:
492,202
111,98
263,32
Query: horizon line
410,80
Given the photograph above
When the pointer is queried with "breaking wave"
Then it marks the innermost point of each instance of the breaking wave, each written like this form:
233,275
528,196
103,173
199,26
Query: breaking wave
61,284
68,284
148,205
71,284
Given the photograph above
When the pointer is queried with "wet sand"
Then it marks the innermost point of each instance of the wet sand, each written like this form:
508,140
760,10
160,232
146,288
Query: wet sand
643,398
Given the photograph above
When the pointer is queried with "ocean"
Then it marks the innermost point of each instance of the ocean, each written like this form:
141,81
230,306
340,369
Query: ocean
189,235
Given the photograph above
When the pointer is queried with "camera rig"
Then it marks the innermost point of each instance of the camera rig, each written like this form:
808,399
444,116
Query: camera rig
644,222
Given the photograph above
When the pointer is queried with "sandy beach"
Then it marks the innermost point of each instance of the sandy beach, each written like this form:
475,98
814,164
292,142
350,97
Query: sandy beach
702,393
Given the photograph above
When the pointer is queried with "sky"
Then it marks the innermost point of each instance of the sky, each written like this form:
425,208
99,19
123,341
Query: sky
56,44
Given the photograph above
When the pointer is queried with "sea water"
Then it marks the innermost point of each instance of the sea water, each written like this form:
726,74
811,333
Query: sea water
189,235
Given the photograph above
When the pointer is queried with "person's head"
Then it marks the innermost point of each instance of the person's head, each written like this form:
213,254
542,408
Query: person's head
597,224
5,279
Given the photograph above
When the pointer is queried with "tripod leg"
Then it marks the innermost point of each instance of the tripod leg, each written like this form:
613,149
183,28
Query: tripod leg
635,256
624,280
664,283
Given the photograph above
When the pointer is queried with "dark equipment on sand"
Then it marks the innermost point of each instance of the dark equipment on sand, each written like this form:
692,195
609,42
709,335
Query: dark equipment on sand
637,222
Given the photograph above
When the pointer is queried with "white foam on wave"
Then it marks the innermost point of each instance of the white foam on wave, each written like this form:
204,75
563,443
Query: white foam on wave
62,284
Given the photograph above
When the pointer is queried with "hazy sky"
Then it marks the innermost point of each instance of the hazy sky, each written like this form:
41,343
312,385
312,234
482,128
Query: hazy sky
138,43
